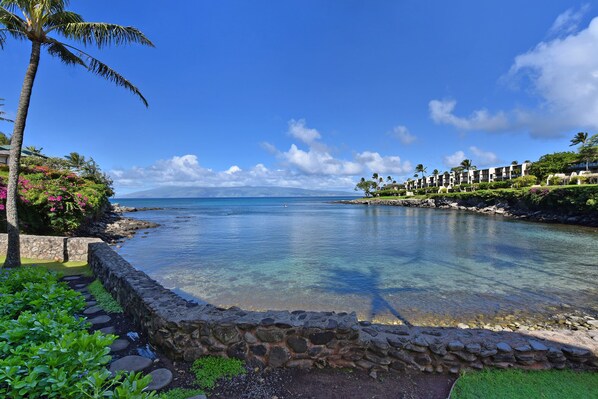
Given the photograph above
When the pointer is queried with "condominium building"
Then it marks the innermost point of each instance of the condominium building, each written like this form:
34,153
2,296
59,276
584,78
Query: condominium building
450,179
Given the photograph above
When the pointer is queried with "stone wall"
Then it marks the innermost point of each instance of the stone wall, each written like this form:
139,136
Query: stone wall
187,330
60,249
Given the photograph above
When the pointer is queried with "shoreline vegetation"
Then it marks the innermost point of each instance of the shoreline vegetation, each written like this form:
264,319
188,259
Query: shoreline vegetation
576,205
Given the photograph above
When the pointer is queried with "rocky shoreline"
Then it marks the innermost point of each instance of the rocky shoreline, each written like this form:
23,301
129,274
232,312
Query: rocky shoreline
113,228
480,206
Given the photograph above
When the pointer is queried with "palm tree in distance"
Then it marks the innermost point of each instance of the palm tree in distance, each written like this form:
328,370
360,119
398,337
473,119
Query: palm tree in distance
435,173
467,165
35,150
75,160
579,138
420,168
40,19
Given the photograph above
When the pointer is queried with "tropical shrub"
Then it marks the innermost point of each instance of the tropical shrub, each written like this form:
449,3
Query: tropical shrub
46,352
499,184
555,181
53,201
578,180
524,181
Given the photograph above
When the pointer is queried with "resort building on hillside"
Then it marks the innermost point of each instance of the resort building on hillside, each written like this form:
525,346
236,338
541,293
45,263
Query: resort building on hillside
451,179
5,152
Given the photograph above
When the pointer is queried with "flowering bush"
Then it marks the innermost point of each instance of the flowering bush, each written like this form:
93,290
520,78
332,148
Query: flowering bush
54,201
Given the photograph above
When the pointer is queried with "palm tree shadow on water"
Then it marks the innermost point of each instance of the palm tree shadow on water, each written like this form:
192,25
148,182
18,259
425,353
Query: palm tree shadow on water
366,284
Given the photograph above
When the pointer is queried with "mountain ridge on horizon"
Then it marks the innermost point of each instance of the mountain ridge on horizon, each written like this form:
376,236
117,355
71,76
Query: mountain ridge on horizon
233,192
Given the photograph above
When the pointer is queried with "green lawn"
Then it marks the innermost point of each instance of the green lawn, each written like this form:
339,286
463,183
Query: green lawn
66,268
519,384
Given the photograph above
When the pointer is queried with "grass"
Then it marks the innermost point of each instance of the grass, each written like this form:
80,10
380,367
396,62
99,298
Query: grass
519,384
210,369
64,268
103,298
180,393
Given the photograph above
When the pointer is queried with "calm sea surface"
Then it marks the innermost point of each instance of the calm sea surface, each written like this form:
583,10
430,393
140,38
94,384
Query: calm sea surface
427,266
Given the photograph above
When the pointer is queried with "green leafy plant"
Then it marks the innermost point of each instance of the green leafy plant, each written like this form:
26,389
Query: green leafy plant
209,369
46,351
103,297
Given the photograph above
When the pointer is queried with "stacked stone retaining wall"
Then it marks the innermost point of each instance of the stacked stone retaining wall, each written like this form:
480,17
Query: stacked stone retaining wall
188,330
60,249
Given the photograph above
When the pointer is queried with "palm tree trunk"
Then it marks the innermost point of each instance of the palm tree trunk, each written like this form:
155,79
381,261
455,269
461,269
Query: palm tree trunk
13,252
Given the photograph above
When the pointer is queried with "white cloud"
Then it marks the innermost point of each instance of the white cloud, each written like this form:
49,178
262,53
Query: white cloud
564,74
233,169
561,74
314,161
484,158
568,22
312,167
402,133
441,111
383,164
450,161
298,130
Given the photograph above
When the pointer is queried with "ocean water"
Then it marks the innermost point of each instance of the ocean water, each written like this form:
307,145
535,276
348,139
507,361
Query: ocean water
388,264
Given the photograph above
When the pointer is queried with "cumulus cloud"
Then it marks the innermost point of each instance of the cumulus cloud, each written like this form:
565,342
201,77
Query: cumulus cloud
298,130
450,161
560,73
314,161
314,167
441,112
383,164
233,169
402,134
185,171
564,74
484,158
568,22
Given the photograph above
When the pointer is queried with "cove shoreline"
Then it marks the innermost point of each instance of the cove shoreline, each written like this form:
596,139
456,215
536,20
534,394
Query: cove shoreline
483,206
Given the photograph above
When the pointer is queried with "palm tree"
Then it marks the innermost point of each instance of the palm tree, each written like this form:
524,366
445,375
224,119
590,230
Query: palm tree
420,168
75,160
35,150
435,173
40,19
579,138
586,154
467,165
514,163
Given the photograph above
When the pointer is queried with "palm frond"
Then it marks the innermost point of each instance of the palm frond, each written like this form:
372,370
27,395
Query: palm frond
61,18
102,34
58,49
99,68
10,20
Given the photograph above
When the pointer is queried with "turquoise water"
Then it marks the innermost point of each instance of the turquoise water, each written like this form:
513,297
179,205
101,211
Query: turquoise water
423,266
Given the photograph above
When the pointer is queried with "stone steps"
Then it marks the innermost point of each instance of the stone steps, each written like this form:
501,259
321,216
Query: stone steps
161,377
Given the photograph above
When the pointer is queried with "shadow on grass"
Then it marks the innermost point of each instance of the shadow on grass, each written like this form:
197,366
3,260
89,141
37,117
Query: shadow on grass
65,268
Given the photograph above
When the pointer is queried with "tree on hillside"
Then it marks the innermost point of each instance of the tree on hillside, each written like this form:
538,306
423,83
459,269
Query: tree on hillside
420,168
34,21
366,186
552,163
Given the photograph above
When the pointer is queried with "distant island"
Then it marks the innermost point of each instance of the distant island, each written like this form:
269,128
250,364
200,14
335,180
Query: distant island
233,192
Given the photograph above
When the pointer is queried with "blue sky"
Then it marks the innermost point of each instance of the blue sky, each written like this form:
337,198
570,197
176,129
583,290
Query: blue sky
316,94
